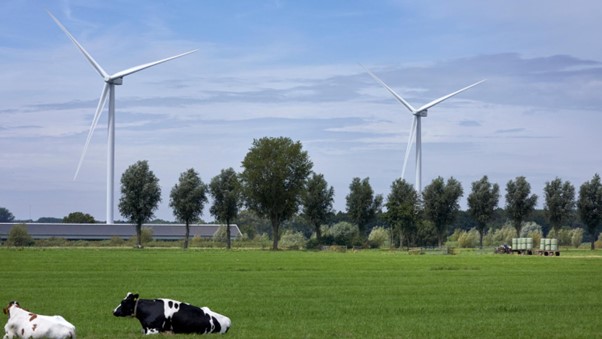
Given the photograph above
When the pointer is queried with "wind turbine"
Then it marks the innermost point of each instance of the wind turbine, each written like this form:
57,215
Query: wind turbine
416,129
109,89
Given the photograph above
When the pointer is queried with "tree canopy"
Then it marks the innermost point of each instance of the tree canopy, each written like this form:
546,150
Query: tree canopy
403,209
519,205
6,215
140,195
317,202
482,202
590,206
441,203
274,176
362,205
79,218
188,198
559,202
227,198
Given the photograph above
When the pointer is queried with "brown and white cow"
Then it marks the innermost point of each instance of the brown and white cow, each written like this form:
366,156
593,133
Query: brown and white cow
24,324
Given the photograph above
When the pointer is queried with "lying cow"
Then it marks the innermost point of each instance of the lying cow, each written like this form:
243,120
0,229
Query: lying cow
166,315
24,324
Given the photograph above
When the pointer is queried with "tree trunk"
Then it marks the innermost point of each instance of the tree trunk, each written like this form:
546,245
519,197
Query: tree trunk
318,232
481,239
400,239
228,245
187,234
139,235
275,226
593,243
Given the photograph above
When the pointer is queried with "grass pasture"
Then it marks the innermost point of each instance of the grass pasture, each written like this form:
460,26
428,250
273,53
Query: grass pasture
296,294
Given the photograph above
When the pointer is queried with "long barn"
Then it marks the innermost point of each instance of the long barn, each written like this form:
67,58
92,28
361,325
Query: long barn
124,231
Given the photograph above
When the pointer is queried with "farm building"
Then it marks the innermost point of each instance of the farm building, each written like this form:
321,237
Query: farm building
124,231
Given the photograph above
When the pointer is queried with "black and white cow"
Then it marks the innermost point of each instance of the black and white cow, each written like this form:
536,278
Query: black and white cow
166,315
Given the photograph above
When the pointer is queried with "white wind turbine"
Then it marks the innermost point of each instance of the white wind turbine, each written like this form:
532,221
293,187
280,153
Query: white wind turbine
416,126
109,88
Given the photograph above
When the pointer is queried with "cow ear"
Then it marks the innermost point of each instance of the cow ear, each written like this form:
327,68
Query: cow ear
5,310
135,296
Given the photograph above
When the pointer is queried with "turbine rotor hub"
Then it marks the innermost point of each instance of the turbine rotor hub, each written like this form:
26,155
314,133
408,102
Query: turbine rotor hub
422,113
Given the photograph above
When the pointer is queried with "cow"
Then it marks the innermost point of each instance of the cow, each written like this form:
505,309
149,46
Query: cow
167,315
24,324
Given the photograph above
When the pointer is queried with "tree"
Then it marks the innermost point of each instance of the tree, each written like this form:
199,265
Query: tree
188,198
317,202
6,215
274,176
441,204
226,191
403,209
560,202
140,196
482,203
519,205
362,205
590,206
79,218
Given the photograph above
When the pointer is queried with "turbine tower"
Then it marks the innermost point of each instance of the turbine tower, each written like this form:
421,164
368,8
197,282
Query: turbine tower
416,129
109,89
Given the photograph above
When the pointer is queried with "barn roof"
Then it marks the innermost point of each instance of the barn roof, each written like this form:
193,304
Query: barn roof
107,231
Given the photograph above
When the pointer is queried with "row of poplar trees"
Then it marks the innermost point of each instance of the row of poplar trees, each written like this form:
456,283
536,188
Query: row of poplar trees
277,179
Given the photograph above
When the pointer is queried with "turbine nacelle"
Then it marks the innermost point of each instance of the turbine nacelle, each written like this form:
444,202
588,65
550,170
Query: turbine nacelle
118,81
422,113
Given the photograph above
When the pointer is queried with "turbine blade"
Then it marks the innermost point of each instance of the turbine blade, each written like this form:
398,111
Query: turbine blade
397,96
436,101
101,105
91,60
135,69
409,147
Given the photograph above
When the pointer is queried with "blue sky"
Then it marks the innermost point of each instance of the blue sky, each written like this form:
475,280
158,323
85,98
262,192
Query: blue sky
291,68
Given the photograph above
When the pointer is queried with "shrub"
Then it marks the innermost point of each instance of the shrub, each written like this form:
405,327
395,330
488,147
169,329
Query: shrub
19,237
576,237
468,239
563,235
530,228
344,233
292,240
220,235
53,242
146,235
499,236
379,237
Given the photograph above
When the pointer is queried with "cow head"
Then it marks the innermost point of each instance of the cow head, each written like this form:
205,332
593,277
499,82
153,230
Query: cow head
127,308
6,310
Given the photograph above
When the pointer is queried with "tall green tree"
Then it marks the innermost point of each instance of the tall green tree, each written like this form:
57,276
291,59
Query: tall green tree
403,209
482,203
362,205
227,198
317,201
560,202
187,199
140,196
441,203
519,203
79,218
590,206
6,215
274,177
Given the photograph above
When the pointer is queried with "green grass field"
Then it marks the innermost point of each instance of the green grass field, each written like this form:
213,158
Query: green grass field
296,294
